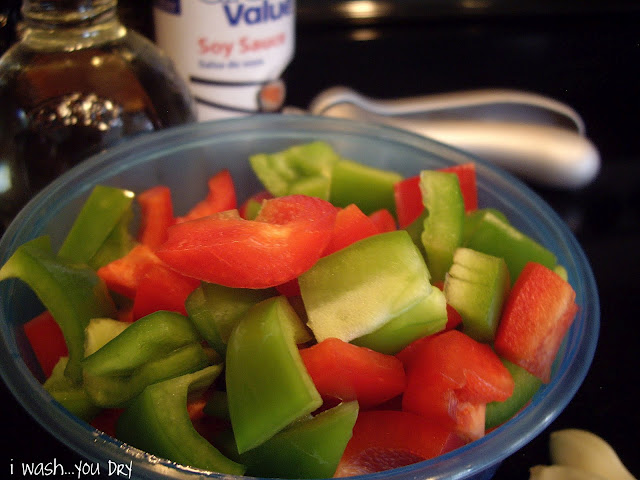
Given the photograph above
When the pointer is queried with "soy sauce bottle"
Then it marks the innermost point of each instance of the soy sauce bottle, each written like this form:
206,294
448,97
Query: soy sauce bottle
76,83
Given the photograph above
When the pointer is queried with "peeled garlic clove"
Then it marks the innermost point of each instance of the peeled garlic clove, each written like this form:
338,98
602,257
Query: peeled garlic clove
586,451
560,472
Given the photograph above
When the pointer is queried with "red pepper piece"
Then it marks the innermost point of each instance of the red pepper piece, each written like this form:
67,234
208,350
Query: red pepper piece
46,340
468,186
106,420
351,225
408,199
383,220
221,197
408,354
387,439
157,215
160,288
287,237
536,316
123,275
289,289
349,372
450,371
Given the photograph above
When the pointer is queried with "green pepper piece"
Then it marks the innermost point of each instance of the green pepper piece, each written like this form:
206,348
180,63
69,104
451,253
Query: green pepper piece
427,317
71,396
474,218
101,331
99,215
252,209
415,229
117,391
526,385
73,293
215,310
148,338
357,289
495,237
117,244
310,448
561,271
302,169
268,386
476,287
157,422
122,360
443,225
368,187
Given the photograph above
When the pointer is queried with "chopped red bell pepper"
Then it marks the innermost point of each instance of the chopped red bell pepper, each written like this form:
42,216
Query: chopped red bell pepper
467,177
383,219
536,316
106,420
408,199
289,289
386,439
449,371
161,288
157,215
221,197
286,239
47,341
123,275
349,372
351,225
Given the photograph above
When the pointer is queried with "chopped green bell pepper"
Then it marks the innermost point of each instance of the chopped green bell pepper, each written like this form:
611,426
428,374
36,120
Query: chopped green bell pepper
117,391
159,346
215,310
157,422
148,338
117,244
476,287
71,396
302,169
526,385
368,187
100,214
500,239
443,226
310,448
268,386
473,219
72,292
427,317
101,331
415,229
357,289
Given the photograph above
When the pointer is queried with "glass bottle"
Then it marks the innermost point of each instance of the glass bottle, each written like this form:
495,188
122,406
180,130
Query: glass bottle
75,83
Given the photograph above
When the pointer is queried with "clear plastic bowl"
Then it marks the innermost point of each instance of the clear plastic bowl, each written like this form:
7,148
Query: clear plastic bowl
183,158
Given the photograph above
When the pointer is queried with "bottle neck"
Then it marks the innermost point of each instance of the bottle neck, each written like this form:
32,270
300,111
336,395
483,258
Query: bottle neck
70,24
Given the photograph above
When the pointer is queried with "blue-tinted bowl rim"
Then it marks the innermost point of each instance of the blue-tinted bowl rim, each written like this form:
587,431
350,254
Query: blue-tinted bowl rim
469,460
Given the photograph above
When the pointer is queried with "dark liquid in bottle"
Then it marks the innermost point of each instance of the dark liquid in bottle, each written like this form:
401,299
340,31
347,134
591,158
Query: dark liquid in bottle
59,108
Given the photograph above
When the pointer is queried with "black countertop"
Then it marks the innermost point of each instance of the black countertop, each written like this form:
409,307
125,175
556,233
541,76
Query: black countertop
589,59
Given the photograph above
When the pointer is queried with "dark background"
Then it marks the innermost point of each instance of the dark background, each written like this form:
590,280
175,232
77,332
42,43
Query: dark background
585,53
